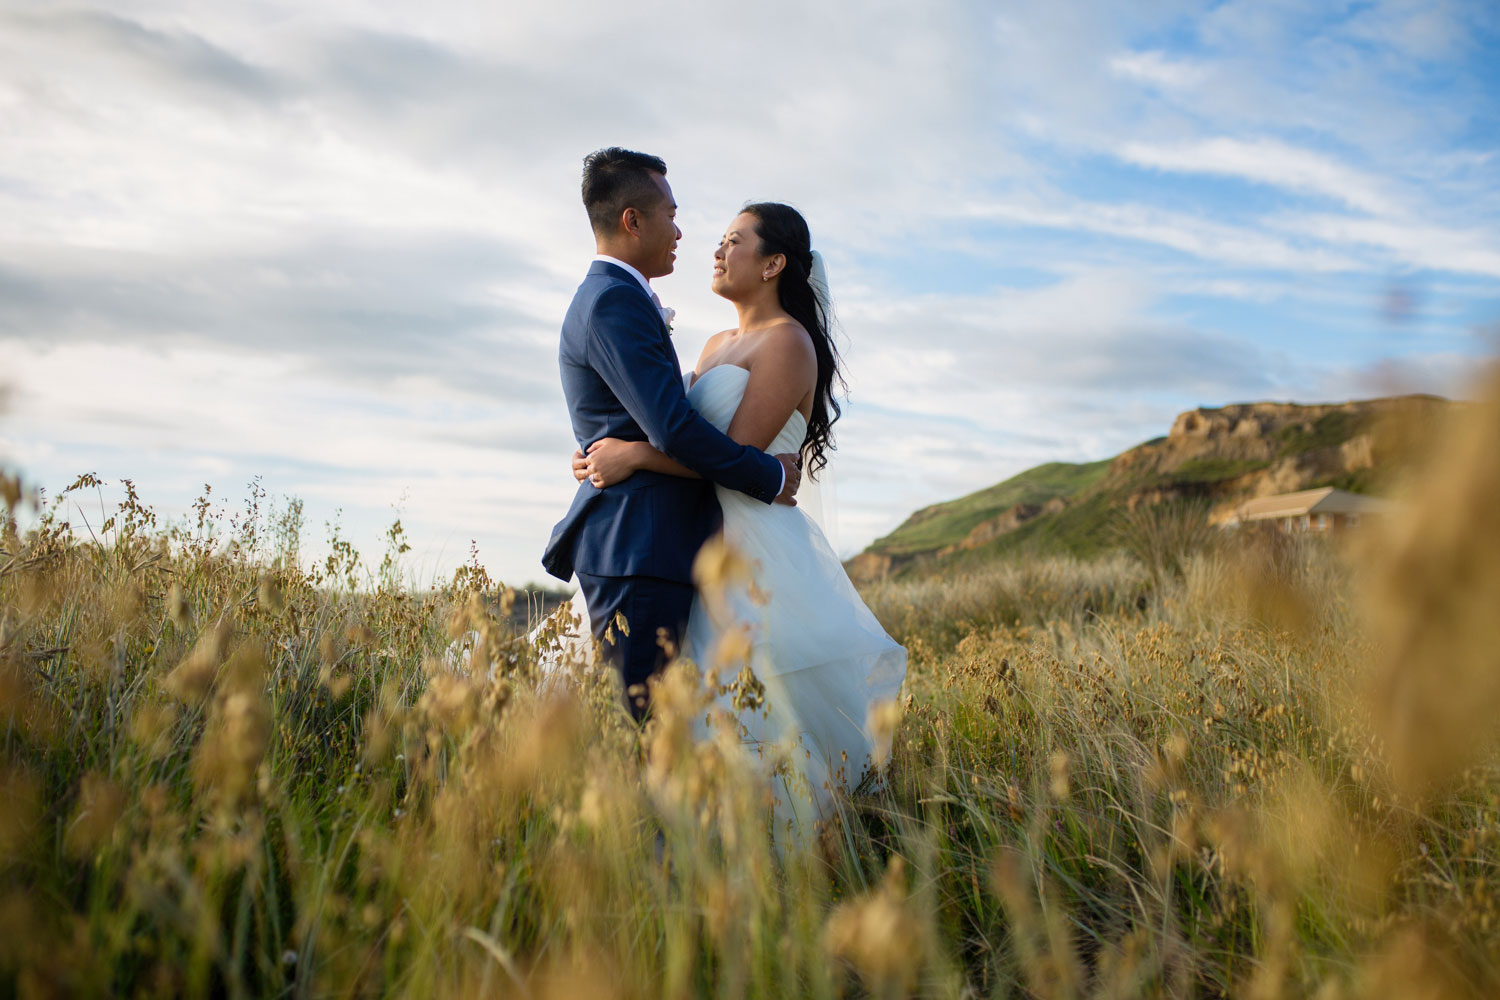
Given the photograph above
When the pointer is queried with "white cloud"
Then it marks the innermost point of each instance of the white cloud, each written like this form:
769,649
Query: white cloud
1265,161
1223,242
1157,68
1427,30
1472,251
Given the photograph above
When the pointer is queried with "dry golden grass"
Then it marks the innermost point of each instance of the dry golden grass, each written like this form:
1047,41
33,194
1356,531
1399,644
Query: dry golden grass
1256,768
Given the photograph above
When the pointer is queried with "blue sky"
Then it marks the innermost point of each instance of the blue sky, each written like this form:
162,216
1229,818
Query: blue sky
330,245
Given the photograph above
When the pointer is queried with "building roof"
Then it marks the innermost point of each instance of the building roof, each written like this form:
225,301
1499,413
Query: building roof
1326,500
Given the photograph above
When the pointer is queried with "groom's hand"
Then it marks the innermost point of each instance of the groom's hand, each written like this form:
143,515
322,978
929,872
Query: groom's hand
580,466
792,465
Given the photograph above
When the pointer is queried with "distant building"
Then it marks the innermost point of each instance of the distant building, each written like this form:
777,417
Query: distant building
1325,509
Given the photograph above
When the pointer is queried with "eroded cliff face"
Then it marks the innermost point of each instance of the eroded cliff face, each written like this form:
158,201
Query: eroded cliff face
1233,453
1006,521
1224,456
868,566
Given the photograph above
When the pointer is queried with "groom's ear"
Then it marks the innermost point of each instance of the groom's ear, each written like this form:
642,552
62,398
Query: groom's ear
630,221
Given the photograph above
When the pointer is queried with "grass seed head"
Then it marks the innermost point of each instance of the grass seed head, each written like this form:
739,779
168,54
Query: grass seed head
95,815
269,595
1433,589
21,792
191,680
151,728
1057,767
882,722
227,760
732,651
880,935
10,491
177,608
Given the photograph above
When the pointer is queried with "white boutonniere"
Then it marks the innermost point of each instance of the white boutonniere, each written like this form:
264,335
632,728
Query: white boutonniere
668,314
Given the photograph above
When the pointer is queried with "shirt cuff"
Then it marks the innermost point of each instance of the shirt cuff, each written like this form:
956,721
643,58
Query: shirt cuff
783,479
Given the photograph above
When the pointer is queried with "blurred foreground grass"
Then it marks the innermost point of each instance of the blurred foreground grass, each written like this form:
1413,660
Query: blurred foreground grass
1255,767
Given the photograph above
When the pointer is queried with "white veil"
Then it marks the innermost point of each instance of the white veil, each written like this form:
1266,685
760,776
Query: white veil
817,498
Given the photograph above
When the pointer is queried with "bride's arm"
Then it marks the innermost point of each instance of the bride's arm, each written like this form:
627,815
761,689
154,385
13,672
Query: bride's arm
610,460
785,371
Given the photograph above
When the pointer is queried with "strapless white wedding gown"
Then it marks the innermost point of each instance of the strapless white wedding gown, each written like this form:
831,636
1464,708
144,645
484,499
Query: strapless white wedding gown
821,654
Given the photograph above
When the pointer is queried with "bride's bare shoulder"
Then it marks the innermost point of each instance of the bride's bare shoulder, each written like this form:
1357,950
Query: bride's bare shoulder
712,346
790,341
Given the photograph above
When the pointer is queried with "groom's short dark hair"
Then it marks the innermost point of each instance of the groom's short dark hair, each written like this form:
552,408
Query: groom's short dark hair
615,179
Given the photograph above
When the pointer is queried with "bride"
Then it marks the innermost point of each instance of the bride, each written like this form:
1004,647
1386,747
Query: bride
822,657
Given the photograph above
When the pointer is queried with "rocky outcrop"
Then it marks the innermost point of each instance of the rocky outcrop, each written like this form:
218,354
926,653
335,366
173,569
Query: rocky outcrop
1003,523
1358,453
1222,455
867,567
1260,449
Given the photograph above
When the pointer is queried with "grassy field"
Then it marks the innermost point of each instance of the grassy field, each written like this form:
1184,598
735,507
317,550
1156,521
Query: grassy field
1193,767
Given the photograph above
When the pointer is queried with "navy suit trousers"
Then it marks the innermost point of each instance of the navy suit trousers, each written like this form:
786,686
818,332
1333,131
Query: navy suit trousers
650,606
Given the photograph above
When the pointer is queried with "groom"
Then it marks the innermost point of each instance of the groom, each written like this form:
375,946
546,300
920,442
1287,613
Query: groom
632,544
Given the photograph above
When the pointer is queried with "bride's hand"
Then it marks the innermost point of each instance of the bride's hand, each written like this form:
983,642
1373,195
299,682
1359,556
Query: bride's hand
580,465
611,460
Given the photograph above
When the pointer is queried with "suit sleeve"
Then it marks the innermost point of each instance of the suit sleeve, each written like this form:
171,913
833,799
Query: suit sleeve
627,349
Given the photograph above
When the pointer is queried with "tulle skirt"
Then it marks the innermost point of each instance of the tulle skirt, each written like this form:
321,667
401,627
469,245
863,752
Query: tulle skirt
790,611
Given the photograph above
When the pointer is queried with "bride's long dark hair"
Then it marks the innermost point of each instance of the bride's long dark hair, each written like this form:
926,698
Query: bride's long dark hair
782,230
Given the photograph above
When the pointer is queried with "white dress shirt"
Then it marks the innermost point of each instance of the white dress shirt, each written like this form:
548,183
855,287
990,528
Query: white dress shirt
638,276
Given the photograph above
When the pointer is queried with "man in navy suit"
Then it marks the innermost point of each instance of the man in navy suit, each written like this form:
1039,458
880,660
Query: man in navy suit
632,545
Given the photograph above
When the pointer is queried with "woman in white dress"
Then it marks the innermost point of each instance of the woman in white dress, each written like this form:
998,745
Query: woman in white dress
818,650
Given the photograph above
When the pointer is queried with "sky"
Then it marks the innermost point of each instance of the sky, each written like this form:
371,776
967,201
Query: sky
330,245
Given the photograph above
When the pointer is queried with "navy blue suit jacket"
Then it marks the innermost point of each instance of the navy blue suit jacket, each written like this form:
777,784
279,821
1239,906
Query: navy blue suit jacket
621,378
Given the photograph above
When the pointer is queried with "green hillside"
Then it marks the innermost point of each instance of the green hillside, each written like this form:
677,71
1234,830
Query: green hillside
947,523
1082,529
